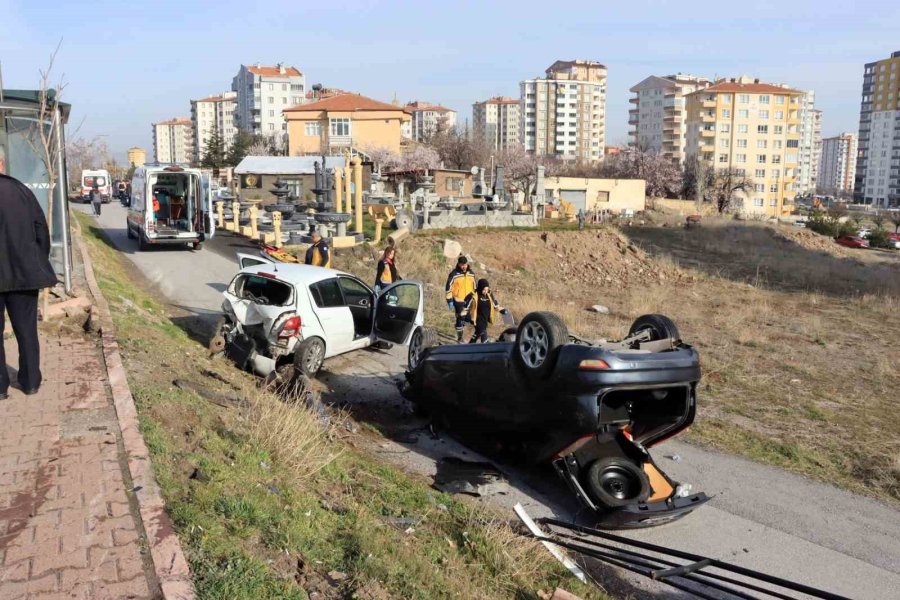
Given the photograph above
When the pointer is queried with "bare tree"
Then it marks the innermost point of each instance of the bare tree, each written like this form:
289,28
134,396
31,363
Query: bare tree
894,218
43,138
878,219
458,151
84,154
723,185
520,168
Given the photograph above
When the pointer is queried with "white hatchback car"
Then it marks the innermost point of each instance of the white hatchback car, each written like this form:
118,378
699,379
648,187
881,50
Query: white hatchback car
280,314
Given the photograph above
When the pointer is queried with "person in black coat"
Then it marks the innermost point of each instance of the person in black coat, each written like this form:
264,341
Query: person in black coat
24,270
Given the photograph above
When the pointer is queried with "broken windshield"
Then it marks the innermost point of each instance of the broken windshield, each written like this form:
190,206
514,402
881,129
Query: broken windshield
262,290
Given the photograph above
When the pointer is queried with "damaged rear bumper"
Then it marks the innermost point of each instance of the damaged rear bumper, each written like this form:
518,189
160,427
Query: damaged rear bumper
634,515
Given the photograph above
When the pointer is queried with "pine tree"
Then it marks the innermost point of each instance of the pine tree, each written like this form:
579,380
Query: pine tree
239,149
214,151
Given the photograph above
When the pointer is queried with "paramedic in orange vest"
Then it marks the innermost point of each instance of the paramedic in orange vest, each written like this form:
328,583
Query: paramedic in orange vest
460,283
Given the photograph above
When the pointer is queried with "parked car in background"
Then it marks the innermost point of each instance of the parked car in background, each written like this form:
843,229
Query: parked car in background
894,240
288,318
864,232
852,241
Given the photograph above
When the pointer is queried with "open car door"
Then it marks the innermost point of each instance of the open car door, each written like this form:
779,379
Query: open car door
205,207
250,260
399,309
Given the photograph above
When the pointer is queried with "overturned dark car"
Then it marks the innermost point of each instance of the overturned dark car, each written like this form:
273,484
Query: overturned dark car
591,409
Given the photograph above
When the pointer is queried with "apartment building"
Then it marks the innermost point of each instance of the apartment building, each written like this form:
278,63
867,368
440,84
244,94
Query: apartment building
878,159
497,120
753,128
563,114
137,157
173,141
426,119
213,113
658,116
837,166
344,122
810,143
263,92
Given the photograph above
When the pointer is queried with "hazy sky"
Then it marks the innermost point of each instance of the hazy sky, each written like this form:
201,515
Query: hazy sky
130,64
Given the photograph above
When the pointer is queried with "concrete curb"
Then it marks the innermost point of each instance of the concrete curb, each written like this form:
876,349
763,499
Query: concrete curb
169,562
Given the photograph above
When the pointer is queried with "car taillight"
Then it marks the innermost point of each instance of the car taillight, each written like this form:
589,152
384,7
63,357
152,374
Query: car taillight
593,365
150,226
290,328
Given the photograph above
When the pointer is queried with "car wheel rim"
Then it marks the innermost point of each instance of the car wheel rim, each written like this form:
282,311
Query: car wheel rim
414,349
619,483
533,344
314,358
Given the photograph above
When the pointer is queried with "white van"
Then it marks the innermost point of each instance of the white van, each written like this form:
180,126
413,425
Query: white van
98,178
170,205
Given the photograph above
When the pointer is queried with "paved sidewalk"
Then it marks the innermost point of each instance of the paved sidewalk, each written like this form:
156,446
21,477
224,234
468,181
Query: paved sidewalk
68,528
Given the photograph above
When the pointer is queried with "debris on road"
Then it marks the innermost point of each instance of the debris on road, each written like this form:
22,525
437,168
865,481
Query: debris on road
458,476
599,309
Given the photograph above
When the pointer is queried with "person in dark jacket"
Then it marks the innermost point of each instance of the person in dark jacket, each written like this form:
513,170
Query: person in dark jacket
24,269
317,254
96,200
482,308
460,283
386,274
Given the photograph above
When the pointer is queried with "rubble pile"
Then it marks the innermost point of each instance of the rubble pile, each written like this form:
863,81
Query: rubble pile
811,240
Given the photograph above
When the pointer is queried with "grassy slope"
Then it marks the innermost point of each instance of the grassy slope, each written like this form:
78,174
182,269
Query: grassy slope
799,348
278,504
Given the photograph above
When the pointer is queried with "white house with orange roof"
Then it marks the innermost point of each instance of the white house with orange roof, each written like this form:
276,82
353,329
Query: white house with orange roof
263,92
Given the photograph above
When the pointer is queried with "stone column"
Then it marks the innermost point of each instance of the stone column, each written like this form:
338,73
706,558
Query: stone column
378,224
220,210
254,233
236,213
357,181
341,229
338,191
276,223
348,180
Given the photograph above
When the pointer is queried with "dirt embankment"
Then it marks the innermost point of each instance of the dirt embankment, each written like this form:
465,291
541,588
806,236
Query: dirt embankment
816,241
596,257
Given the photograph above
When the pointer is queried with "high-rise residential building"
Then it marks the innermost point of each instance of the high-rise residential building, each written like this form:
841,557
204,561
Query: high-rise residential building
564,113
263,93
877,165
810,143
210,114
426,119
754,129
173,141
659,114
837,167
137,157
497,120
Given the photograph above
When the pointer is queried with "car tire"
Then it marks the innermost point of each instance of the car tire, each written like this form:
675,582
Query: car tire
218,342
538,339
129,232
659,326
614,482
422,338
309,356
143,246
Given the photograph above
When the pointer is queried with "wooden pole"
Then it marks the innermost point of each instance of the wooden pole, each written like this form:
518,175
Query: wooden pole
338,190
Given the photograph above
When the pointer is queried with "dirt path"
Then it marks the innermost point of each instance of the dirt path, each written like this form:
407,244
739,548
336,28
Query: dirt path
760,517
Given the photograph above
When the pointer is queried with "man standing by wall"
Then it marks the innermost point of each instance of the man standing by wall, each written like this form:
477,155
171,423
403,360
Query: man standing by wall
24,269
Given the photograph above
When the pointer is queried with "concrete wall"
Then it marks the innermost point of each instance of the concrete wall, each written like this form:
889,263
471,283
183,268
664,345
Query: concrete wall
609,194
491,218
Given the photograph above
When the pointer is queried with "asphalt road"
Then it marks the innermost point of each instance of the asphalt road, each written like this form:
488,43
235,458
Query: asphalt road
760,517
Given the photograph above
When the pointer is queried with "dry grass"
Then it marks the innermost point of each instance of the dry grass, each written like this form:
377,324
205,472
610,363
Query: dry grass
291,431
799,347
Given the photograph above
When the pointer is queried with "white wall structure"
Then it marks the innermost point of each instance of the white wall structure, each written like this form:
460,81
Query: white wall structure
211,113
659,114
837,166
173,141
564,113
262,93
